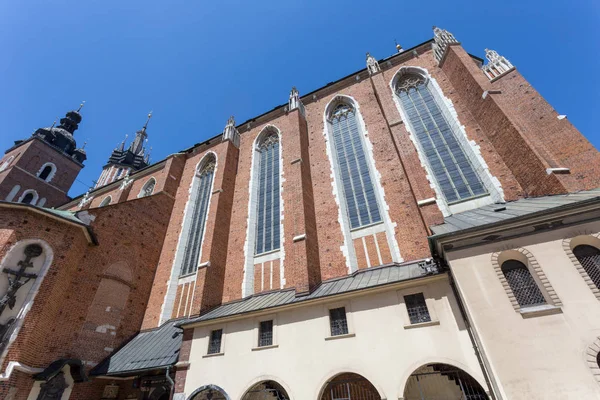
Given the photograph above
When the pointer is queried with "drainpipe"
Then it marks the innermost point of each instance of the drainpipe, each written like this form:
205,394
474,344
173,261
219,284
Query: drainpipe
171,382
494,392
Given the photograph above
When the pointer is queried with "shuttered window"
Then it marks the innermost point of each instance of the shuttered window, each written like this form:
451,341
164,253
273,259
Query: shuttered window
455,175
357,186
267,215
199,209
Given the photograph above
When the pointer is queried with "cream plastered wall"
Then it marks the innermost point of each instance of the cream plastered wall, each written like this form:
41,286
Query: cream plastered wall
304,357
543,356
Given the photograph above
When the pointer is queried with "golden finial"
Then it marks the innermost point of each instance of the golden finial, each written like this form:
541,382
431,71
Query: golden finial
398,47
81,106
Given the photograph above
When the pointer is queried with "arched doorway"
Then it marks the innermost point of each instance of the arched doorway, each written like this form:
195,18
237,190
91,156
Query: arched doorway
349,386
209,392
442,381
266,390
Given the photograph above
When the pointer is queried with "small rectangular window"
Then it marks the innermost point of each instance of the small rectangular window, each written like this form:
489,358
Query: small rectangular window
265,333
214,344
338,322
417,309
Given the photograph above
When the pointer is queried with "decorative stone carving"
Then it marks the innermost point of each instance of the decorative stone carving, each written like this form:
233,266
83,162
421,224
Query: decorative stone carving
110,391
231,133
87,197
497,65
126,181
16,279
372,64
54,388
441,39
295,102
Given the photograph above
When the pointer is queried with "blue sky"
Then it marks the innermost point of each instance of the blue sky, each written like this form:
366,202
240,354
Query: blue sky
194,63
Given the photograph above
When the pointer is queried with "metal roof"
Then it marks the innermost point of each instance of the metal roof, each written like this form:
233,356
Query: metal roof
151,349
361,279
494,213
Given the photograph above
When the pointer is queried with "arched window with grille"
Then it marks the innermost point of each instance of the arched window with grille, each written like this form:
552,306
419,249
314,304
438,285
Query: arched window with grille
353,170
589,258
456,173
148,188
268,194
522,284
196,214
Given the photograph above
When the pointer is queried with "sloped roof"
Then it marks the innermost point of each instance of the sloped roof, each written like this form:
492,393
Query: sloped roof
495,213
151,349
361,279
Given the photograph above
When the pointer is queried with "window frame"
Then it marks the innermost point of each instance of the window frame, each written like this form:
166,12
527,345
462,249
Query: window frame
105,201
430,302
256,333
471,151
221,351
569,244
29,191
349,320
51,174
144,186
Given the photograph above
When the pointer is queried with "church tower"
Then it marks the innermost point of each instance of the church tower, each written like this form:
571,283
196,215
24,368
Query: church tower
123,162
41,169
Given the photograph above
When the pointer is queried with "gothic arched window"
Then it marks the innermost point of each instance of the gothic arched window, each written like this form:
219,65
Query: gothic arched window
148,188
589,258
455,175
522,284
106,201
356,182
268,188
197,212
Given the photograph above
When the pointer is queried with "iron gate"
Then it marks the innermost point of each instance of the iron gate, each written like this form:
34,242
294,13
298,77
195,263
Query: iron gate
350,389
442,382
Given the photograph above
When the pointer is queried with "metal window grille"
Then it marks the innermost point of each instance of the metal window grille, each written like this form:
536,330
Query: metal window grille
417,309
589,258
148,188
338,322
265,333
198,219
522,284
357,186
214,343
267,216
453,171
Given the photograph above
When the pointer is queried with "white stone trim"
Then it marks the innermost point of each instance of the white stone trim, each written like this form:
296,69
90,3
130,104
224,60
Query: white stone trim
591,354
50,175
470,147
143,189
106,201
41,202
249,244
6,163
33,291
169,300
388,226
13,192
570,243
14,365
26,192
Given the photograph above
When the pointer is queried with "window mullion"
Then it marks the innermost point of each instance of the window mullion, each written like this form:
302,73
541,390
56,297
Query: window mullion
362,183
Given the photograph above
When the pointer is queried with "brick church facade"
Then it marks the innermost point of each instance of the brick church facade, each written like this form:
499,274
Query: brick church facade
427,226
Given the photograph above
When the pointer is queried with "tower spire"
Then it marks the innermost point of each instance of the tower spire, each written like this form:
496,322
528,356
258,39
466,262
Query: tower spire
137,146
148,120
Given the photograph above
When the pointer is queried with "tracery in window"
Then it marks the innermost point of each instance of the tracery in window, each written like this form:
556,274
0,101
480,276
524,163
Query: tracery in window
589,258
268,198
148,188
455,175
198,210
356,182
522,284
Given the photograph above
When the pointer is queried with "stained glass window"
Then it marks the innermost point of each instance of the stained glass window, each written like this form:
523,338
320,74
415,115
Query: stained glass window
267,215
199,209
357,186
452,169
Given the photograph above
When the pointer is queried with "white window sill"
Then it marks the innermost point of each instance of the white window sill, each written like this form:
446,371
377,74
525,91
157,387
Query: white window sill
538,311
421,324
213,355
346,335
272,346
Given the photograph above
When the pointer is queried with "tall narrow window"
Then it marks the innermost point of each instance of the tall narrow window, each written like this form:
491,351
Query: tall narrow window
199,209
267,215
357,186
589,258
28,198
214,342
454,174
522,284
417,308
265,333
45,172
338,322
